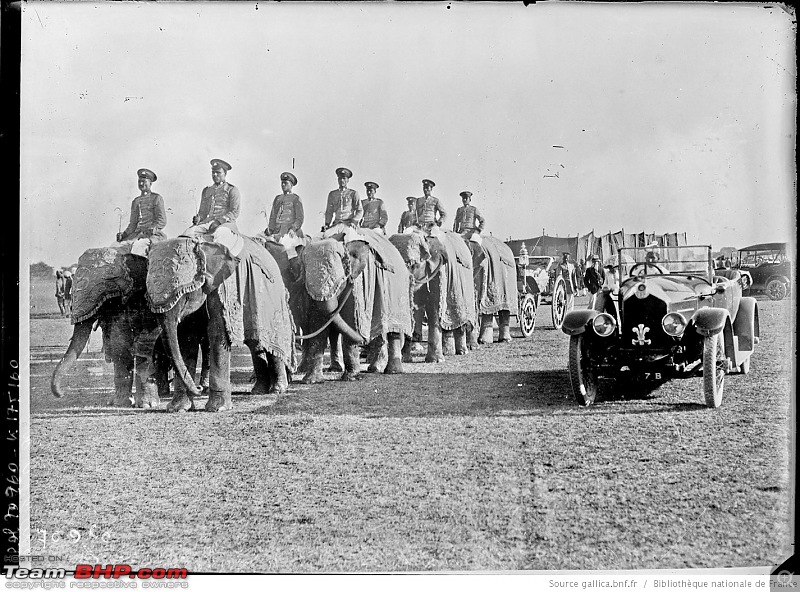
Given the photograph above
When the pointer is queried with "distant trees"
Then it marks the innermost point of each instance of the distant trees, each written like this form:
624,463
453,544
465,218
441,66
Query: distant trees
42,269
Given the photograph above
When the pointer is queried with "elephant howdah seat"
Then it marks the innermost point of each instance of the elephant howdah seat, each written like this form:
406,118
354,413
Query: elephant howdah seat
102,274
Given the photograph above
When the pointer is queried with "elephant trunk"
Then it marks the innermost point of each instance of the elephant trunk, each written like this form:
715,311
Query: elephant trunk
346,330
80,337
169,324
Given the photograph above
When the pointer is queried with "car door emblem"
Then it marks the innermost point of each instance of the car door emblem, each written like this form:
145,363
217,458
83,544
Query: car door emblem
640,331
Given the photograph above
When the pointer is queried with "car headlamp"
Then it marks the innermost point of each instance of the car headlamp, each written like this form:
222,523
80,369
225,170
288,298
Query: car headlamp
604,324
641,291
674,324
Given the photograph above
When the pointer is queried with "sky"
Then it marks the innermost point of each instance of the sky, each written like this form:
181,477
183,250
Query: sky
558,117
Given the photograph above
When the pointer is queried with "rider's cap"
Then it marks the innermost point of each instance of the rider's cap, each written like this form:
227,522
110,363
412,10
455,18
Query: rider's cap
342,172
147,174
216,164
371,185
428,182
289,177
466,194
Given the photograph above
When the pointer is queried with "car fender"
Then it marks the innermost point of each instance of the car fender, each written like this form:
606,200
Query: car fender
575,321
746,327
781,278
710,321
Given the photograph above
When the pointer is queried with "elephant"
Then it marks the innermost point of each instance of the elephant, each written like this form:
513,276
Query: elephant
441,269
358,287
231,295
494,271
109,291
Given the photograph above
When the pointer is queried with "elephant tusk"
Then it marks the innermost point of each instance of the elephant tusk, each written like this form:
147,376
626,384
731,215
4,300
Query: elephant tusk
342,301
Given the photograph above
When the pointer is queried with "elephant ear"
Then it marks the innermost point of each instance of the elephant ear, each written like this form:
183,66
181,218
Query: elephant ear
220,264
175,267
325,275
412,247
385,252
102,274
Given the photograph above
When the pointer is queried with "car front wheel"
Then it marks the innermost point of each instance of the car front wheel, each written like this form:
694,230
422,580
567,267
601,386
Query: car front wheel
559,307
776,290
582,374
527,314
713,369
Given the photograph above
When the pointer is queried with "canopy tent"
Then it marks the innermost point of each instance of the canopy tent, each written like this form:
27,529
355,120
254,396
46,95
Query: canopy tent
605,245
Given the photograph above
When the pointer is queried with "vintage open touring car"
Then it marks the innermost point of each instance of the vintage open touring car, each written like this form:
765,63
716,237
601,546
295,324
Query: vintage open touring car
674,316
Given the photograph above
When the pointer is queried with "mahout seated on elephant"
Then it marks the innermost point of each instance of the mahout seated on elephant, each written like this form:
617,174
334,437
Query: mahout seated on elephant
109,292
240,287
359,287
440,265
494,272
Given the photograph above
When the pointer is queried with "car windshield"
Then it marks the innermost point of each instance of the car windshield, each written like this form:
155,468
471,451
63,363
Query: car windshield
654,260
755,258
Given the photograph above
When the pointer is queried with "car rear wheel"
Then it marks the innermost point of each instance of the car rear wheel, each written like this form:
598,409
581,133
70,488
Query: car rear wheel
581,373
527,314
714,365
776,289
559,307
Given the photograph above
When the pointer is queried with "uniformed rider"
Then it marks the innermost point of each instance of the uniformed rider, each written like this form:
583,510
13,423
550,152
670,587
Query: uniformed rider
375,215
430,211
219,205
344,209
286,217
408,219
468,219
148,216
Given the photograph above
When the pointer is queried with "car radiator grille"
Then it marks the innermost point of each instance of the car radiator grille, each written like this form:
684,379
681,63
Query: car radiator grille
639,314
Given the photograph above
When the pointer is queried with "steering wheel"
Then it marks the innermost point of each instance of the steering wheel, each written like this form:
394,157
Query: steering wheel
643,269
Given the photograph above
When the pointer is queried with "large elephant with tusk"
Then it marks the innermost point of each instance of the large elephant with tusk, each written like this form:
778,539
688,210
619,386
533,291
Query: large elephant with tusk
358,287
494,271
443,286
242,294
109,292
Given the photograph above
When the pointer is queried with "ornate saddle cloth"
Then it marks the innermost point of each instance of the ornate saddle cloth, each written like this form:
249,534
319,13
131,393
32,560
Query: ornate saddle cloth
102,274
496,279
457,300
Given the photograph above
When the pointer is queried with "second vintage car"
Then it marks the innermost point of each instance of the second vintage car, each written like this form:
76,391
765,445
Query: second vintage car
675,316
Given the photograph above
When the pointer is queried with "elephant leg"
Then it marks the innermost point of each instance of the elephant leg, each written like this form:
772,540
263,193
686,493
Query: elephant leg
305,357
406,351
487,331
262,370
181,398
123,383
460,334
394,365
312,360
280,382
352,361
206,366
434,329
219,396
162,368
472,337
416,336
448,343
146,385
504,322
376,356
334,340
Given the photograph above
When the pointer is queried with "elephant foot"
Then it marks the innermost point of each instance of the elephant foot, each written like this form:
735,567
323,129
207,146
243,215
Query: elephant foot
279,389
462,352
260,388
334,368
180,405
351,376
504,340
372,369
407,358
434,359
449,350
394,366
120,400
219,401
474,345
313,378
147,396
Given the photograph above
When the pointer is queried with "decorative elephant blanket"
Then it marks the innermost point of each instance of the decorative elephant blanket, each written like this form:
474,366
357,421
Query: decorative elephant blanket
496,278
385,284
102,274
457,300
254,299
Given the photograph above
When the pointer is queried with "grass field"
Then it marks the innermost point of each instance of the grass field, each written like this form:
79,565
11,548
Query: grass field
481,463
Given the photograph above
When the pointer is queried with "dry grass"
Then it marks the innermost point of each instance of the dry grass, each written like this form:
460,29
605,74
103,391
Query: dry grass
481,463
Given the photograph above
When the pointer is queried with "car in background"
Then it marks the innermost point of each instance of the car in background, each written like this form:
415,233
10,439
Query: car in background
548,287
766,268
675,316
